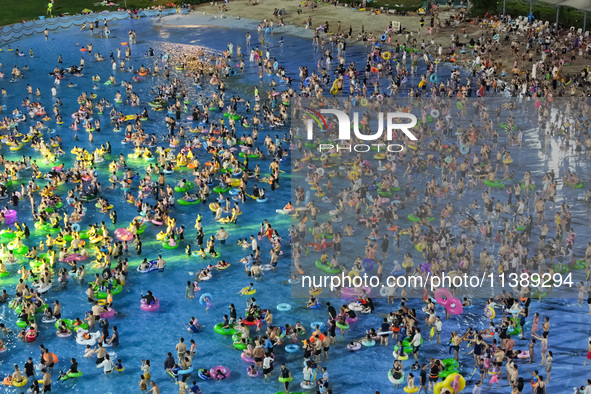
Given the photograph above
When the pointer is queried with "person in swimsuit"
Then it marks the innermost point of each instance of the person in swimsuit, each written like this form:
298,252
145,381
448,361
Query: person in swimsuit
479,346
456,340
396,372
544,348
588,353
434,373
540,387
535,324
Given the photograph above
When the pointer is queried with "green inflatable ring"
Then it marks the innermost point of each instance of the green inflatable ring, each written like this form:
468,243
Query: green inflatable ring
219,189
324,267
101,295
69,325
406,345
515,331
495,183
252,155
8,234
180,201
22,250
413,218
72,375
531,186
224,331
562,270
21,323
580,265
188,186
448,371
167,246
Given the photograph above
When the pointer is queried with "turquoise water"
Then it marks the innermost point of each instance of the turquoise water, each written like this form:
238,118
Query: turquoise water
152,335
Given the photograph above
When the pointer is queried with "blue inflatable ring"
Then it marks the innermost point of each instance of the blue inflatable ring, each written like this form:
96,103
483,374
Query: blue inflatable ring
283,307
203,296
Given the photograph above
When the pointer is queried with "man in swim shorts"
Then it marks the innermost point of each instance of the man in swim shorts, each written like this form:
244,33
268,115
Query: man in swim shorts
100,353
181,348
46,381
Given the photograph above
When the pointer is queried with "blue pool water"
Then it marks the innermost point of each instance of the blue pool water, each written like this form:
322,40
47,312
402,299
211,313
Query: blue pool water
152,335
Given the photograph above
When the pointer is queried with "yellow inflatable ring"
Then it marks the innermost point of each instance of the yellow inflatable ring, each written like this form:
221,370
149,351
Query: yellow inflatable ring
447,383
315,292
492,312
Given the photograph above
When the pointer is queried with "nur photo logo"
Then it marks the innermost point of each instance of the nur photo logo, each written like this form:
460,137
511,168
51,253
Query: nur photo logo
389,124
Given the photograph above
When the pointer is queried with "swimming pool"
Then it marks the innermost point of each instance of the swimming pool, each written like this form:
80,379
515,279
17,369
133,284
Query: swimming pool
152,335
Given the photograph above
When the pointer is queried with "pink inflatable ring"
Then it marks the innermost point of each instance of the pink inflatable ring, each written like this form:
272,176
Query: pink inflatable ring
150,307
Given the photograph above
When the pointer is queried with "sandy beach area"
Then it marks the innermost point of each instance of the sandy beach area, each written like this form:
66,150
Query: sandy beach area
244,15
250,15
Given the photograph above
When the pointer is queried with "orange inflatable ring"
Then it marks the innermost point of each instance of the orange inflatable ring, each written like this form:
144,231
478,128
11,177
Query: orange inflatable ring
124,43
321,337
55,359
83,49
208,163
374,70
